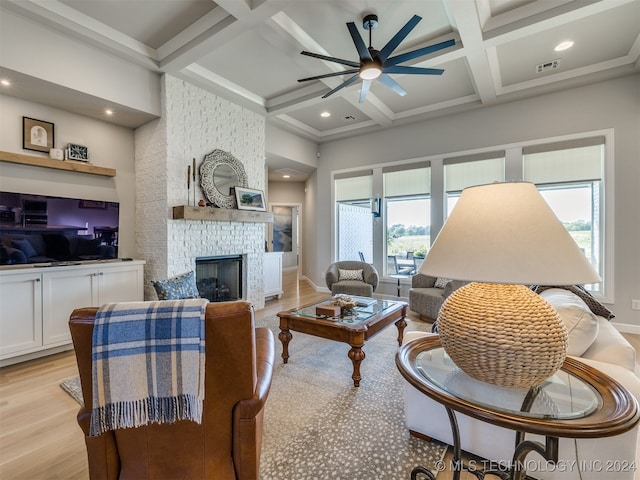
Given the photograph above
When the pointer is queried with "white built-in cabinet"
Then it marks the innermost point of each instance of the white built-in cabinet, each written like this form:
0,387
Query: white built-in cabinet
35,303
272,270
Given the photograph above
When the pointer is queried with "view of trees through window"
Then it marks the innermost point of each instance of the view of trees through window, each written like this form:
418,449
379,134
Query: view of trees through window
408,226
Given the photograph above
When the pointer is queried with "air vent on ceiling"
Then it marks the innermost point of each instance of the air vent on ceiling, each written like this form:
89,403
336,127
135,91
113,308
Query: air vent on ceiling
544,67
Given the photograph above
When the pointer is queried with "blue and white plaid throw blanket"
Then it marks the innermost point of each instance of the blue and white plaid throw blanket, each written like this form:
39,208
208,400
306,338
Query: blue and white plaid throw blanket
148,363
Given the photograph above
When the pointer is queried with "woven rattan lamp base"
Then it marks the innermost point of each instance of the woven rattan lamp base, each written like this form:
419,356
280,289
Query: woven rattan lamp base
502,334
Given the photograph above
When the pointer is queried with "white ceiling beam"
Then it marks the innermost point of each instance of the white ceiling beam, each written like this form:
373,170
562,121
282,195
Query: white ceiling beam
240,18
467,21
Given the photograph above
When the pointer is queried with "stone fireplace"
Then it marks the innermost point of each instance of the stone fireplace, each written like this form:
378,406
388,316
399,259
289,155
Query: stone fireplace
193,123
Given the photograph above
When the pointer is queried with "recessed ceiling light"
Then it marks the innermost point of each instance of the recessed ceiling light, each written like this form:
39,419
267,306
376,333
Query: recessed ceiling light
286,176
5,82
108,111
563,46
325,114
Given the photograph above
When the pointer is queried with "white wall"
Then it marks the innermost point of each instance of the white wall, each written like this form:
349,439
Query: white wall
609,104
30,48
109,145
287,145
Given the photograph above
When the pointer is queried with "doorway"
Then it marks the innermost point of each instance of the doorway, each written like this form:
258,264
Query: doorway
285,233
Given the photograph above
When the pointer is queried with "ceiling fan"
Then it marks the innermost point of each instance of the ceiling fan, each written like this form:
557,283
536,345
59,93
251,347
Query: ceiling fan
377,63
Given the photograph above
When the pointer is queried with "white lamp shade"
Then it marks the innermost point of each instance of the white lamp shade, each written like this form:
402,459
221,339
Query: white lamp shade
506,233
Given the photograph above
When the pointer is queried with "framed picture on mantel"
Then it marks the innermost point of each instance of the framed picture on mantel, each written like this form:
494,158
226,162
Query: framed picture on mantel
250,199
37,135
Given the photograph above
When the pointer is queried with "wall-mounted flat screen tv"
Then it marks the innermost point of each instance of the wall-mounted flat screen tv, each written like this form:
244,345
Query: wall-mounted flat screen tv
45,229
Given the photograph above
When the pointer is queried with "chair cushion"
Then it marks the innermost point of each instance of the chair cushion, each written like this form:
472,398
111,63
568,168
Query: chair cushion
177,288
581,323
350,275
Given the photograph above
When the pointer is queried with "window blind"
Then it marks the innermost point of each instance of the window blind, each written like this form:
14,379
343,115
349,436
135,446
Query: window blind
578,160
463,172
353,186
408,181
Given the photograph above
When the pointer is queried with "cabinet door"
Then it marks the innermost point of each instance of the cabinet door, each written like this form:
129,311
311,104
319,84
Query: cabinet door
120,283
62,292
20,313
272,274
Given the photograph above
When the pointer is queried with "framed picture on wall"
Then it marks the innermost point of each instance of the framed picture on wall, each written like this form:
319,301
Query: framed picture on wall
250,199
37,135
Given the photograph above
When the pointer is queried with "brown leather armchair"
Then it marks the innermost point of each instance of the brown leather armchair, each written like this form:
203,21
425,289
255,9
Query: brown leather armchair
238,372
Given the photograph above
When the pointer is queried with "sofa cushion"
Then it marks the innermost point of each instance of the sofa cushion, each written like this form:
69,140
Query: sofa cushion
178,287
350,275
581,323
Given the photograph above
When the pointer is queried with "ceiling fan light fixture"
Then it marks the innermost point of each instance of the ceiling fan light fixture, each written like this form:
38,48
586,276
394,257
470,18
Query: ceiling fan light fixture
370,71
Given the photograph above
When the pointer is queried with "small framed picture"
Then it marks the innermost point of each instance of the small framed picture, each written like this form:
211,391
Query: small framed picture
250,199
37,135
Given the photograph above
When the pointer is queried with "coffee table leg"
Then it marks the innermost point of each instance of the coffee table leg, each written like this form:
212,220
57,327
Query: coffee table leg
401,325
285,337
356,355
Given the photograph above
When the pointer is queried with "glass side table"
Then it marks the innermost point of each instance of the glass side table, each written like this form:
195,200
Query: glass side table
578,401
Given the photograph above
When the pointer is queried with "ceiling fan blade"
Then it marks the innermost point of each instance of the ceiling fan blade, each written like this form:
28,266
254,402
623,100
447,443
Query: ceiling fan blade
413,70
404,57
366,84
363,51
349,63
347,82
392,84
398,37
327,75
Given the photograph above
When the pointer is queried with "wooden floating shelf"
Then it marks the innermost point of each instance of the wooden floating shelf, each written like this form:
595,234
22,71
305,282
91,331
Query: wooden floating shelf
69,165
188,212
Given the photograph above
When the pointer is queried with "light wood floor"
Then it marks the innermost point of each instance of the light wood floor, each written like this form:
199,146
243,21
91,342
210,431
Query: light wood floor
39,436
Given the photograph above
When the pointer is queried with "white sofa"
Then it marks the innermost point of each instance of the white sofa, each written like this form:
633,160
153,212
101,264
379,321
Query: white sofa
602,347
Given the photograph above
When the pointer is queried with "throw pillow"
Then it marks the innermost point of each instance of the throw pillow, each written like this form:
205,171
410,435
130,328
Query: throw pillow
179,287
581,323
10,256
441,282
25,246
350,275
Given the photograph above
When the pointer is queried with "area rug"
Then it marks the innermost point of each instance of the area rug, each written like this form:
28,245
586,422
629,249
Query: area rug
318,425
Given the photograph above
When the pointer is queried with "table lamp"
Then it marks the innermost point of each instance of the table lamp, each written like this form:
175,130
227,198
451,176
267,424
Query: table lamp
503,237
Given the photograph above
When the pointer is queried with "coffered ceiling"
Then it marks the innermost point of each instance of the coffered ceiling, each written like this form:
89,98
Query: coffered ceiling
248,51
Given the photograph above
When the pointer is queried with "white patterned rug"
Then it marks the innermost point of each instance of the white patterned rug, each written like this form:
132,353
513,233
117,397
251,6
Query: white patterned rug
319,426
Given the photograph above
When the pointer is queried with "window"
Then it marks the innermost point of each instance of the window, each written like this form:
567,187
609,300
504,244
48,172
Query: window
408,216
353,214
569,177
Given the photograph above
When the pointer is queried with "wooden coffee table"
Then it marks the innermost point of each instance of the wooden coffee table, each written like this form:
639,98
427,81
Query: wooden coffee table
355,329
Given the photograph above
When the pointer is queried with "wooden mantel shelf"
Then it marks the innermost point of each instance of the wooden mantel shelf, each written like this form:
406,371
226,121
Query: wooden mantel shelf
188,212
46,162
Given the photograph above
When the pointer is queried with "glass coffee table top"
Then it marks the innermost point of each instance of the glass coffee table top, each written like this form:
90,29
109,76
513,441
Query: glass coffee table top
562,396
365,309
